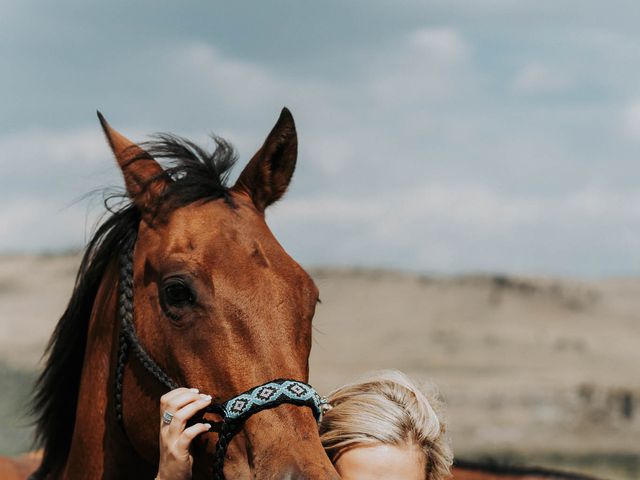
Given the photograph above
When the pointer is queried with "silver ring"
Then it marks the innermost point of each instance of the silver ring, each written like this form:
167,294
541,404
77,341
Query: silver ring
167,417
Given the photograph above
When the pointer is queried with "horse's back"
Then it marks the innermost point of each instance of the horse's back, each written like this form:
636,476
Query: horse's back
458,473
472,471
19,467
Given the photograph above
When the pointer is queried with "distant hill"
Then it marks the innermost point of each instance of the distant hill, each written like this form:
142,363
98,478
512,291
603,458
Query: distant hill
532,369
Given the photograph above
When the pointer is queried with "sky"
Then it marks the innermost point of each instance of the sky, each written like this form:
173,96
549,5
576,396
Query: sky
435,136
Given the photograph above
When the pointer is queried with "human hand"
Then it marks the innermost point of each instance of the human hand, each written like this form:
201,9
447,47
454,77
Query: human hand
175,459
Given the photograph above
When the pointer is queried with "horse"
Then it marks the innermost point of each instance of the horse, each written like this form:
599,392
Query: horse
215,303
477,470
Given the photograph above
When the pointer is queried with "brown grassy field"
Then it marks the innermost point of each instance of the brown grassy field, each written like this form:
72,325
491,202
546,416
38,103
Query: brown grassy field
532,370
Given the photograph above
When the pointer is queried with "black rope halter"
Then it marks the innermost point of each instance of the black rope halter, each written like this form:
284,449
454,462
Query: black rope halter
234,411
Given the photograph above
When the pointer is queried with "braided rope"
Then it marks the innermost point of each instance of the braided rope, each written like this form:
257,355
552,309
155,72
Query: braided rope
128,338
122,360
226,434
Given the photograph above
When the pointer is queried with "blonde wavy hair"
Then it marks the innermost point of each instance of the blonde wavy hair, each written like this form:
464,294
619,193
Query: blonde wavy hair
386,407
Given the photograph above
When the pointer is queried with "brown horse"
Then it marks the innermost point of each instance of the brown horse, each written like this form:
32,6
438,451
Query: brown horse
218,305
466,470
462,470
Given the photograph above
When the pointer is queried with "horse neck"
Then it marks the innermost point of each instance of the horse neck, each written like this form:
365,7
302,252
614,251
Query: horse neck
99,448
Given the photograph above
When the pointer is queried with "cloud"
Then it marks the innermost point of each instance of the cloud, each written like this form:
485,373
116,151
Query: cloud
471,205
43,182
56,166
444,44
53,149
426,65
412,151
37,224
431,64
331,153
239,83
457,227
631,120
536,78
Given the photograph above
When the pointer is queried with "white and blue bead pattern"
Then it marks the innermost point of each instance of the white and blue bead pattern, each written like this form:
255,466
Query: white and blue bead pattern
272,394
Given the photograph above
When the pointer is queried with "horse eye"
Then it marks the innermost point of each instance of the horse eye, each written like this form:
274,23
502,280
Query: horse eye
176,293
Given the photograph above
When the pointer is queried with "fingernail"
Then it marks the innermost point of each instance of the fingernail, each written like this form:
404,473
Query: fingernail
208,426
194,390
205,397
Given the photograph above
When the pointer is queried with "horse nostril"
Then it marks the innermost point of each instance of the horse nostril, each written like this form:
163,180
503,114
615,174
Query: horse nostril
294,472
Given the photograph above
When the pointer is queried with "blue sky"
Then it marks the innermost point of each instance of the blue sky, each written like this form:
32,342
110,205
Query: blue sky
446,136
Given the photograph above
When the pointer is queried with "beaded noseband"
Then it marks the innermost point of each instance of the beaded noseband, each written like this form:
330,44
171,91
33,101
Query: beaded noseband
235,410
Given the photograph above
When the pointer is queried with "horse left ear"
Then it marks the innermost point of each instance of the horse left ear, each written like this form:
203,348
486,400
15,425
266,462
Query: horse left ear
144,178
267,176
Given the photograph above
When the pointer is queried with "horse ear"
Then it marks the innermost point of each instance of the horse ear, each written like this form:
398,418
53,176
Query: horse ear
144,178
267,175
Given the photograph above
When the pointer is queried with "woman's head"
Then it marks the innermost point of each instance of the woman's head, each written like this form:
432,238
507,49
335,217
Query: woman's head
385,417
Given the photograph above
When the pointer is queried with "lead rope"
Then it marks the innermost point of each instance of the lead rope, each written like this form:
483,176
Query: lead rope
226,433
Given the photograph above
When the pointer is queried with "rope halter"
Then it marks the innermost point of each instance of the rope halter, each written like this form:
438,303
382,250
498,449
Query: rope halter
234,411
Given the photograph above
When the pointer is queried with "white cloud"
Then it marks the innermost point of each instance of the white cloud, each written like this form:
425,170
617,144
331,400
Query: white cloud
330,153
248,86
422,65
631,120
472,206
36,224
455,227
16,217
444,44
46,175
503,178
32,149
238,82
536,78
430,65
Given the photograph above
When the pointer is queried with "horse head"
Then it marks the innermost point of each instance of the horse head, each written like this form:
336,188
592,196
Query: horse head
218,304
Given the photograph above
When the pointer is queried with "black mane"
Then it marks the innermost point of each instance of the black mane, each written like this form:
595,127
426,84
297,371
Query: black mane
195,174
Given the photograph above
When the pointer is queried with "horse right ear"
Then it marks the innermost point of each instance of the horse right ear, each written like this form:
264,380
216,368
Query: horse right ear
267,175
144,178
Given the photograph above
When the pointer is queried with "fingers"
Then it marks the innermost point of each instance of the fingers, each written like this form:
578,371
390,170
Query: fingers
177,391
183,404
190,433
177,398
189,410
174,438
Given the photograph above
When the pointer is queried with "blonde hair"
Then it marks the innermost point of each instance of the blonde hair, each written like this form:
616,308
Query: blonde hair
386,407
